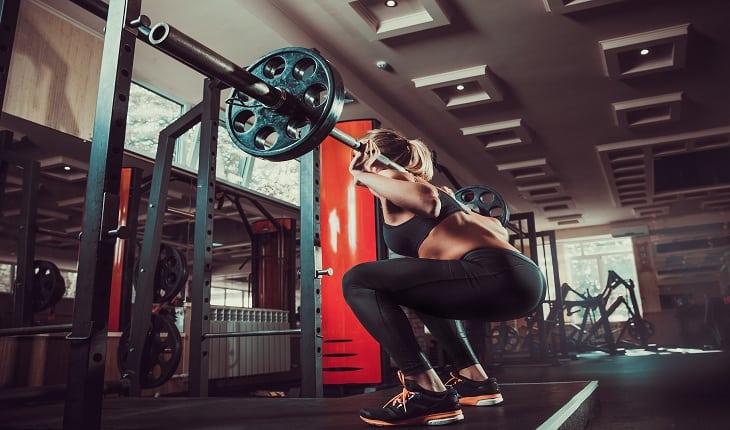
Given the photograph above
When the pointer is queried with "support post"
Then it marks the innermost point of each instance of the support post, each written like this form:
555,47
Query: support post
311,319
84,396
203,242
23,287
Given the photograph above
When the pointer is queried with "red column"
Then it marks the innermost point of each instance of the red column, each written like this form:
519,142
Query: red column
348,237
116,287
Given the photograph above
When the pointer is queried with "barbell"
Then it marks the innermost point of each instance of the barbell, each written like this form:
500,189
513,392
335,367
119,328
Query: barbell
284,104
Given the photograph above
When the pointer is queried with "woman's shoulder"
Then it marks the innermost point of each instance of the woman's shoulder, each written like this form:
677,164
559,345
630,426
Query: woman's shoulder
394,174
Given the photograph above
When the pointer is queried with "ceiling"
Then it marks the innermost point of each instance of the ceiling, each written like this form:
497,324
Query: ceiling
560,112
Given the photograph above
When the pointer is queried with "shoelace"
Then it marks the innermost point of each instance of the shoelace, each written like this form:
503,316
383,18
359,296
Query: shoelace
453,380
402,397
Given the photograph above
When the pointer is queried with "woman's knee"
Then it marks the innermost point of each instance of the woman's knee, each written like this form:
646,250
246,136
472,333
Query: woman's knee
353,281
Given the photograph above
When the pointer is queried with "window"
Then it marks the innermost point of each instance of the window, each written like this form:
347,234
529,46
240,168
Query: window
69,278
279,180
588,261
230,297
148,114
7,276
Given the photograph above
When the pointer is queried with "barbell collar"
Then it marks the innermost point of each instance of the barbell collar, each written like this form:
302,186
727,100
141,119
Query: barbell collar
187,50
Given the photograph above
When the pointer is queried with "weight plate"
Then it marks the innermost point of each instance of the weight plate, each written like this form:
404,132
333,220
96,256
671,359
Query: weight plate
315,98
161,352
171,274
505,338
485,201
633,328
48,285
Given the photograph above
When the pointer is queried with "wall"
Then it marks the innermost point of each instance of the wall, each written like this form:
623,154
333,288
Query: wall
54,72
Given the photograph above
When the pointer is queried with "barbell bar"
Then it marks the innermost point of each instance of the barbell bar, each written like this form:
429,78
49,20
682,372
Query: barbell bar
309,116
286,103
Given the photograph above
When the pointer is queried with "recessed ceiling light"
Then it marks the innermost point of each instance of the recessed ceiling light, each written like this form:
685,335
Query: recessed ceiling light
460,87
644,51
67,168
391,3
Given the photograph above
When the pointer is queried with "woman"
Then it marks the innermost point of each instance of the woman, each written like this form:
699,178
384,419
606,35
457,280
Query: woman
463,267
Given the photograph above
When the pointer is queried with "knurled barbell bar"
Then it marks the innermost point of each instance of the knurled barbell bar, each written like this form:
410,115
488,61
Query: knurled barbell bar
282,106
286,103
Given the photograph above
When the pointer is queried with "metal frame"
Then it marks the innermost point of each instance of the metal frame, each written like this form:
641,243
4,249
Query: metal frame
203,242
82,408
85,387
556,304
23,286
149,251
311,299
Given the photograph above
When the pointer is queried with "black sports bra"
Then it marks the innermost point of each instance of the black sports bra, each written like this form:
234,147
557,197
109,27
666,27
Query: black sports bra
406,238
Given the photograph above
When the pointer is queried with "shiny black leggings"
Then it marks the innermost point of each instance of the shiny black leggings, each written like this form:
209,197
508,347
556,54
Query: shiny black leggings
487,284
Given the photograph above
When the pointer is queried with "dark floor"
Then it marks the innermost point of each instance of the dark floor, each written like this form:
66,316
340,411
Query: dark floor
525,411
668,389
664,390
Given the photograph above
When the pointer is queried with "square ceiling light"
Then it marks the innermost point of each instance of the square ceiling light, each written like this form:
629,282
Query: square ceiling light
527,170
461,88
499,134
646,111
541,190
556,204
378,21
64,168
643,53
651,211
566,219
569,6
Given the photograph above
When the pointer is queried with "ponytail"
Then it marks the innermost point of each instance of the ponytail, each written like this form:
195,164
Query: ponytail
414,155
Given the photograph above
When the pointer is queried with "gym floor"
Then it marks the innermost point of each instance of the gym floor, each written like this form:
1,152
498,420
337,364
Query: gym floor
669,389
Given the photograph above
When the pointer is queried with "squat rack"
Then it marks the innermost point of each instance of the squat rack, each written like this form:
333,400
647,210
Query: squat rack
88,336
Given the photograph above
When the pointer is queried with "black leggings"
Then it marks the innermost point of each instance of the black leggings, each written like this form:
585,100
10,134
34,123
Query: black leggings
487,284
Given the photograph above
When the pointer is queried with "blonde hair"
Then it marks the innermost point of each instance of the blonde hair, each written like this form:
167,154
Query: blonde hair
412,154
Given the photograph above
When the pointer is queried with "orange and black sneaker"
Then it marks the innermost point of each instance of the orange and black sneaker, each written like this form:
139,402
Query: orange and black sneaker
415,406
476,393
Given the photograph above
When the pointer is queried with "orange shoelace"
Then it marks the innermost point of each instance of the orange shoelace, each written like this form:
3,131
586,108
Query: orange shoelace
453,380
402,397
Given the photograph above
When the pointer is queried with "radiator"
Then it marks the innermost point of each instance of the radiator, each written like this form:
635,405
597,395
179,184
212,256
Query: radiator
250,355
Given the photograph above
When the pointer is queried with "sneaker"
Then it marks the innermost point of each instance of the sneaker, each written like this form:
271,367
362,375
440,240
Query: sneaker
415,406
476,393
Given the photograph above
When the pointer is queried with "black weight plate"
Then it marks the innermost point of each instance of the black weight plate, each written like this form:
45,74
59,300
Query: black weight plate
48,285
316,98
485,201
161,352
634,331
505,338
170,275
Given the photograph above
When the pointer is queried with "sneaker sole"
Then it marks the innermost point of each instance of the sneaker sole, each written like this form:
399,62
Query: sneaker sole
429,420
487,400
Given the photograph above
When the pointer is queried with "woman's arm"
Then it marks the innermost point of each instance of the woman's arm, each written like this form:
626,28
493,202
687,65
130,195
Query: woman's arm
420,198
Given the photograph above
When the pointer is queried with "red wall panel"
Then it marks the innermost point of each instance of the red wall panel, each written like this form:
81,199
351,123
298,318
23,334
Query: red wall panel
116,287
348,237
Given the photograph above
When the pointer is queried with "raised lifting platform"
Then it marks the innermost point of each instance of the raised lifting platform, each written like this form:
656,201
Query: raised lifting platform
543,406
